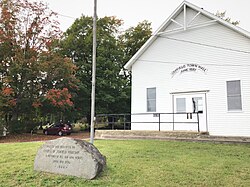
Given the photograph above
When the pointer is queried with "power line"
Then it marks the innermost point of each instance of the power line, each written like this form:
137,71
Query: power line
180,40
66,16
181,63
202,44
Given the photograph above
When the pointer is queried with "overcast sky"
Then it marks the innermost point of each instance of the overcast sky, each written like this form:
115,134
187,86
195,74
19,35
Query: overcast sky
135,11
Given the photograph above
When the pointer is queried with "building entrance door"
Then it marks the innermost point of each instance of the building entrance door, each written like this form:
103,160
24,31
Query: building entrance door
186,106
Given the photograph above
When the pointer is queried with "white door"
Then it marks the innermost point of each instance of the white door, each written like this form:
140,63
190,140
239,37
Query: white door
190,108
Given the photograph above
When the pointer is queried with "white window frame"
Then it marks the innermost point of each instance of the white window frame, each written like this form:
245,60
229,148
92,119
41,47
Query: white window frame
151,101
184,105
239,95
198,104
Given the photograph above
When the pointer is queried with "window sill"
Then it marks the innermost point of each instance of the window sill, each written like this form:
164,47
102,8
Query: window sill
235,111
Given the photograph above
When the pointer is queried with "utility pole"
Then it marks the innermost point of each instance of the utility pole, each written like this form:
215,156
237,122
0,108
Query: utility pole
93,76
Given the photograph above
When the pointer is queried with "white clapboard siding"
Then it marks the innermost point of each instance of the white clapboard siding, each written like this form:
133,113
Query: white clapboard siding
223,52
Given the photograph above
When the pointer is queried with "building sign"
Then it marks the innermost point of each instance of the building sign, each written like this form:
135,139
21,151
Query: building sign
188,68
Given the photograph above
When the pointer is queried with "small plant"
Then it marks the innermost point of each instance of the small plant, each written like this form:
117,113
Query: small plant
77,127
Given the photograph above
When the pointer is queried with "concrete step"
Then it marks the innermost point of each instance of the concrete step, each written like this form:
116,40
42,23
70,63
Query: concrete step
168,135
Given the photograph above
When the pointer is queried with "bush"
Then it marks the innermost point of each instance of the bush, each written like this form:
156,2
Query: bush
15,127
1,130
18,126
77,127
29,126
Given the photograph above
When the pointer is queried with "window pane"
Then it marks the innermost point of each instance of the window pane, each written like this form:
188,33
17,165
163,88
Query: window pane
151,99
151,106
197,104
233,88
234,95
234,103
151,93
180,104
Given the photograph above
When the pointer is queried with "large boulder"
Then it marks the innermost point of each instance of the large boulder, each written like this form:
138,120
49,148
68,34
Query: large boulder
70,157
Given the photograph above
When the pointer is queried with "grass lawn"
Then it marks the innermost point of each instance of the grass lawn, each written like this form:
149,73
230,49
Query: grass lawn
138,163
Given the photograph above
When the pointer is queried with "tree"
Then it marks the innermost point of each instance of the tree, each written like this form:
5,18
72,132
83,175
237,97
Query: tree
29,60
113,50
77,44
134,37
56,102
131,41
222,15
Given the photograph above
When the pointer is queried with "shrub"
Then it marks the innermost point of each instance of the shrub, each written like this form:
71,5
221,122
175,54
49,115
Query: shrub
19,126
15,127
77,127
1,129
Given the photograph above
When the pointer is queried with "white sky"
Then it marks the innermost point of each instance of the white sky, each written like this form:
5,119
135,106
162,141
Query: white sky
155,11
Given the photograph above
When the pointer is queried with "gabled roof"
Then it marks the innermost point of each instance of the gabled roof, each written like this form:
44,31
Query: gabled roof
170,19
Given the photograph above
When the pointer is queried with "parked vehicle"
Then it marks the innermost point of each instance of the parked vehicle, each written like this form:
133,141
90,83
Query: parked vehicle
59,129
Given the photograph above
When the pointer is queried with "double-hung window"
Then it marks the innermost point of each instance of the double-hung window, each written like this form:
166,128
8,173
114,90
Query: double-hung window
151,99
234,96
180,105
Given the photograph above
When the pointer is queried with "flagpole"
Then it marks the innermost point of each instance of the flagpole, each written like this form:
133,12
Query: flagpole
93,76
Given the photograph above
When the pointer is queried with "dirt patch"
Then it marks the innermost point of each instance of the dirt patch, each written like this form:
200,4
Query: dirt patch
27,137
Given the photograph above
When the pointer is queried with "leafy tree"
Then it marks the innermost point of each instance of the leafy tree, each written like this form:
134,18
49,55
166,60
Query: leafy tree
114,48
30,64
77,44
56,102
37,76
134,37
7,100
222,15
131,41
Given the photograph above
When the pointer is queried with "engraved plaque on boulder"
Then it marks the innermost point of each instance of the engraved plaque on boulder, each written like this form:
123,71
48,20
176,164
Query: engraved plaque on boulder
70,157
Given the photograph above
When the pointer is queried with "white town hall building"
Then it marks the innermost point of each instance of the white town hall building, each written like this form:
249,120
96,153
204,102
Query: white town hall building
195,65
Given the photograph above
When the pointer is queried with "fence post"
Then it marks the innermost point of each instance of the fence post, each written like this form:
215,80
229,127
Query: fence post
198,121
96,123
113,121
124,122
173,121
159,121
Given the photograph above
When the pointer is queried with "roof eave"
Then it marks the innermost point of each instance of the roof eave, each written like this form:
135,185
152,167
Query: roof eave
129,64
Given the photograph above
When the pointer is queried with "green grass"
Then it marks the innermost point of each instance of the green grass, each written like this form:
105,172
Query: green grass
138,163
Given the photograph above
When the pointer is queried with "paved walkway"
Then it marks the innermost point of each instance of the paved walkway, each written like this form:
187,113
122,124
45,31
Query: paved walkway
168,135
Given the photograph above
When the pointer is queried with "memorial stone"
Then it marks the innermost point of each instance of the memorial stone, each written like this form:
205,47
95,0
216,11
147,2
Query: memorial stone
70,157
